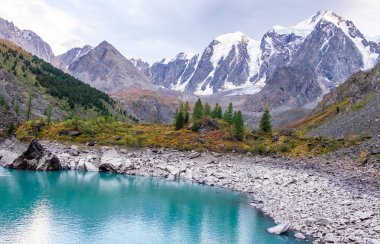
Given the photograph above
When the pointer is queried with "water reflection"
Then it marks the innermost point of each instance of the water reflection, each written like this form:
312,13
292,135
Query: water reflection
72,207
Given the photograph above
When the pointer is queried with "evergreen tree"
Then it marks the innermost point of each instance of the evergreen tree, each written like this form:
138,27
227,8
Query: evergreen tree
175,116
49,113
238,126
29,107
198,110
266,123
217,112
179,122
228,114
186,113
207,111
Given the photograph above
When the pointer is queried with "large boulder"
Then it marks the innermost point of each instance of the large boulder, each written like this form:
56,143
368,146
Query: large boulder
112,161
7,157
204,126
36,158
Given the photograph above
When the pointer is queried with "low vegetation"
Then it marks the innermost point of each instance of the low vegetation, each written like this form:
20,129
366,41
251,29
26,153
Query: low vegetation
305,125
204,119
108,131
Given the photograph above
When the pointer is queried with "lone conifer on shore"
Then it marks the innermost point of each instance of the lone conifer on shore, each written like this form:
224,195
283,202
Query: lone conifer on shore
198,110
265,122
179,122
238,122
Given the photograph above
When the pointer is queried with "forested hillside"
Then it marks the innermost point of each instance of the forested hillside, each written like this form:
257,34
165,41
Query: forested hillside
45,91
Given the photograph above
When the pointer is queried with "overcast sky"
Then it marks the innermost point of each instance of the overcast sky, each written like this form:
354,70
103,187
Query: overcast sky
154,29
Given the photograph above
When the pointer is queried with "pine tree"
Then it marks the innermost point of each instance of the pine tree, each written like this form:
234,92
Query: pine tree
179,122
217,112
266,123
228,114
198,110
29,107
49,113
175,116
186,113
207,111
238,126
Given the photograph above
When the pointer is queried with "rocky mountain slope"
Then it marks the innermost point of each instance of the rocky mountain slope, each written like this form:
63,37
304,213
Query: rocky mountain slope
105,68
29,83
323,50
102,67
64,60
26,39
351,109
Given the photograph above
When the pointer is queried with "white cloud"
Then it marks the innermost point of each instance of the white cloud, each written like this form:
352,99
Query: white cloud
55,26
153,29
364,14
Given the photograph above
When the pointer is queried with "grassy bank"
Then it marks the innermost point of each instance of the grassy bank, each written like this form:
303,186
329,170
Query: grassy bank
109,132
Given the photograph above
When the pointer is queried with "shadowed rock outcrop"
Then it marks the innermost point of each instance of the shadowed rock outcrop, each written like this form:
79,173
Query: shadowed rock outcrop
36,158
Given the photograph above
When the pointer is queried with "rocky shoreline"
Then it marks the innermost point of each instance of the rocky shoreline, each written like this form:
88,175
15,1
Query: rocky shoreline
333,200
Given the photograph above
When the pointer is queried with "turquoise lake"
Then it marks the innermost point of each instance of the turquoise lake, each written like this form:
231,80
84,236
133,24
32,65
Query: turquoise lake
83,207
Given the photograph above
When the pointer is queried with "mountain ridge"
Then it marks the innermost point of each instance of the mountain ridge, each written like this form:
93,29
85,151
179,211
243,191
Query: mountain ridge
253,62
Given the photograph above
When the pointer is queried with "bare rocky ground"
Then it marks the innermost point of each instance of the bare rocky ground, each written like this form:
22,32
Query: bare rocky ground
332,198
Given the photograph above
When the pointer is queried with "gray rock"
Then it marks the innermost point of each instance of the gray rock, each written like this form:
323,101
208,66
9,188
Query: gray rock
189,174
299,235
194,155
111,161
49,162
331,238
36,158
279,229
73,152
322,222
364,215
6,157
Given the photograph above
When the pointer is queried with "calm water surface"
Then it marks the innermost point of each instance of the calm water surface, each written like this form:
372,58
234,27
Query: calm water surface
80,207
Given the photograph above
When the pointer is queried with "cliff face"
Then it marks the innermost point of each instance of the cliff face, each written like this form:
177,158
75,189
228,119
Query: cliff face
106,69
28,40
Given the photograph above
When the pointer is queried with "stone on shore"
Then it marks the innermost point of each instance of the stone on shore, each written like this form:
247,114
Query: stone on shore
332,238
299,235
279,229
111,161
194,155
36,158
364,215
6,157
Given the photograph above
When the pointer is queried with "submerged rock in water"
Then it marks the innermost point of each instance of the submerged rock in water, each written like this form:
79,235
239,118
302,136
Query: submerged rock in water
279,229
299,236
36,158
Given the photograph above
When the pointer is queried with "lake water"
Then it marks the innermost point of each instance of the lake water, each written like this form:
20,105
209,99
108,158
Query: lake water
79,207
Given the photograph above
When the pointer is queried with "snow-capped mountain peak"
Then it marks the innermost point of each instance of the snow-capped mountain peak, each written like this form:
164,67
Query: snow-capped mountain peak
223,44
325,46
232,38
304,28
375,39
